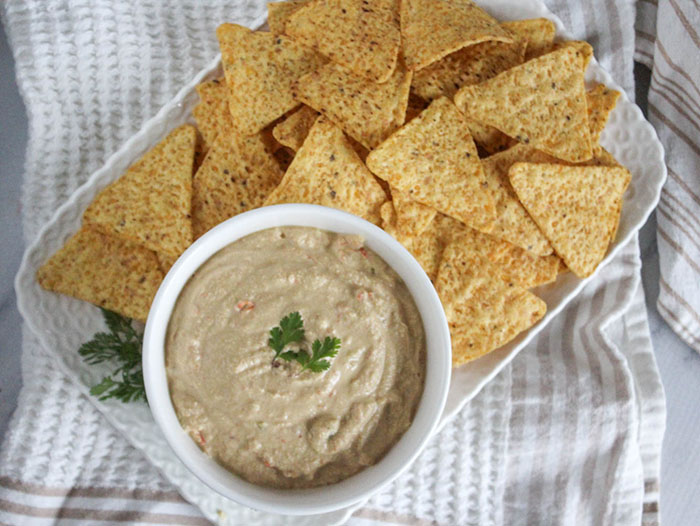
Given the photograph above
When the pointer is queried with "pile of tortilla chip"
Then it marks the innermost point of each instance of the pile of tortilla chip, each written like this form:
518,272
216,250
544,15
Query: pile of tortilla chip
474,142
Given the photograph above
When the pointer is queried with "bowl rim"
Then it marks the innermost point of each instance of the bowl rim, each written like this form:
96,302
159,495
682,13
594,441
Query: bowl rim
363,484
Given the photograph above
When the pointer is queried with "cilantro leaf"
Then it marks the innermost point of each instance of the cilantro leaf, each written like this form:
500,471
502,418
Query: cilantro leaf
123,346
320,351
290,330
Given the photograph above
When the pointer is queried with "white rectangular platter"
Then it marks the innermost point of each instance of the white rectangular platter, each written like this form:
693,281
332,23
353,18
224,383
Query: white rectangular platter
62,324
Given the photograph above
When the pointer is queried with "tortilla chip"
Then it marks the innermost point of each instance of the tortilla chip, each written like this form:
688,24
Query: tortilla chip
432,29
327,171
518,265
601,157
513,223
415,106
362,36
211,113
434,160
467,66
150,204
260,69
584,51
412,217
538,32
484,312
165,262
293,130
367,111
237,175
601,100
279,12
541,103
108,271
576,207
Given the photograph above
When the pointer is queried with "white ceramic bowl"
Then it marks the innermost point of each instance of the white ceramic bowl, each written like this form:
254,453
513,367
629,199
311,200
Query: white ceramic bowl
368,481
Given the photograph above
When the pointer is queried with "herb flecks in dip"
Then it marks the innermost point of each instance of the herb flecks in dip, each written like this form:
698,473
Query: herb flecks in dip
268,421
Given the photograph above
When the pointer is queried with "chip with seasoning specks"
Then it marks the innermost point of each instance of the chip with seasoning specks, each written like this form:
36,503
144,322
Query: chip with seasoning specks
412,217
541,103
279,12
366,111
260,69
584,51
104,270
432,29
327,171
434,160
212,114
361,35
537,32
292,131
601,100
150,204
483,310
576,207
237,175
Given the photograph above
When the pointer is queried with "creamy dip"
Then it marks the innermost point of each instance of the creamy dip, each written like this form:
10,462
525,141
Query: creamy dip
270,422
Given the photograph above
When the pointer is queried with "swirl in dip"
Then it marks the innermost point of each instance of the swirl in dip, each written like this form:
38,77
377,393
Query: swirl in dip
269,422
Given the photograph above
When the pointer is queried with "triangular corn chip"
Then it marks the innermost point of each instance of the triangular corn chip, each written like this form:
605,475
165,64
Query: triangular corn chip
366,111
432,29
513,223
412,217
327,171
293,130
484,312
279,12
434,160
541,103
538,32
576,207
470,65
601,100
211,113
237,175
110,272
361,35
150,204
260,69
583,50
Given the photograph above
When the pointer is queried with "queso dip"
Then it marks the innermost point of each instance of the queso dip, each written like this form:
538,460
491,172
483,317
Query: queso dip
268,421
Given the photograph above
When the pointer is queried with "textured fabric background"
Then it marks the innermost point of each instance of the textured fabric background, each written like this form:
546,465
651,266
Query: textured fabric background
569,433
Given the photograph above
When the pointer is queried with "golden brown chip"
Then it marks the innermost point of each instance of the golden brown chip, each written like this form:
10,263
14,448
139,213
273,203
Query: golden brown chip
576,207
601,100
434,160
541,103
513,223
584,51
388,217
431,30
467,66
412,217
363,36
260,69
327,171
279,12
293,130
211,113
538,32
110,272
150,204
237,175
484,312
165,262
366,111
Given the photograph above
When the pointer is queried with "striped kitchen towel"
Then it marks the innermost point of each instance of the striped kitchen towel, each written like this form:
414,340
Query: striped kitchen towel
569,433
668,42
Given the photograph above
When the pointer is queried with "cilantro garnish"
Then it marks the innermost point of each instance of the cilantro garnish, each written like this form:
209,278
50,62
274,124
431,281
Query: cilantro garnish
122,344
291,330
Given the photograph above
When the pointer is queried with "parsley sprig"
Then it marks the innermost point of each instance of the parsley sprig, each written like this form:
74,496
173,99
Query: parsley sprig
122,344
291,330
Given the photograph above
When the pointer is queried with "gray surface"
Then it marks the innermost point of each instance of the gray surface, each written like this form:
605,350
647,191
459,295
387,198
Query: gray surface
679,365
